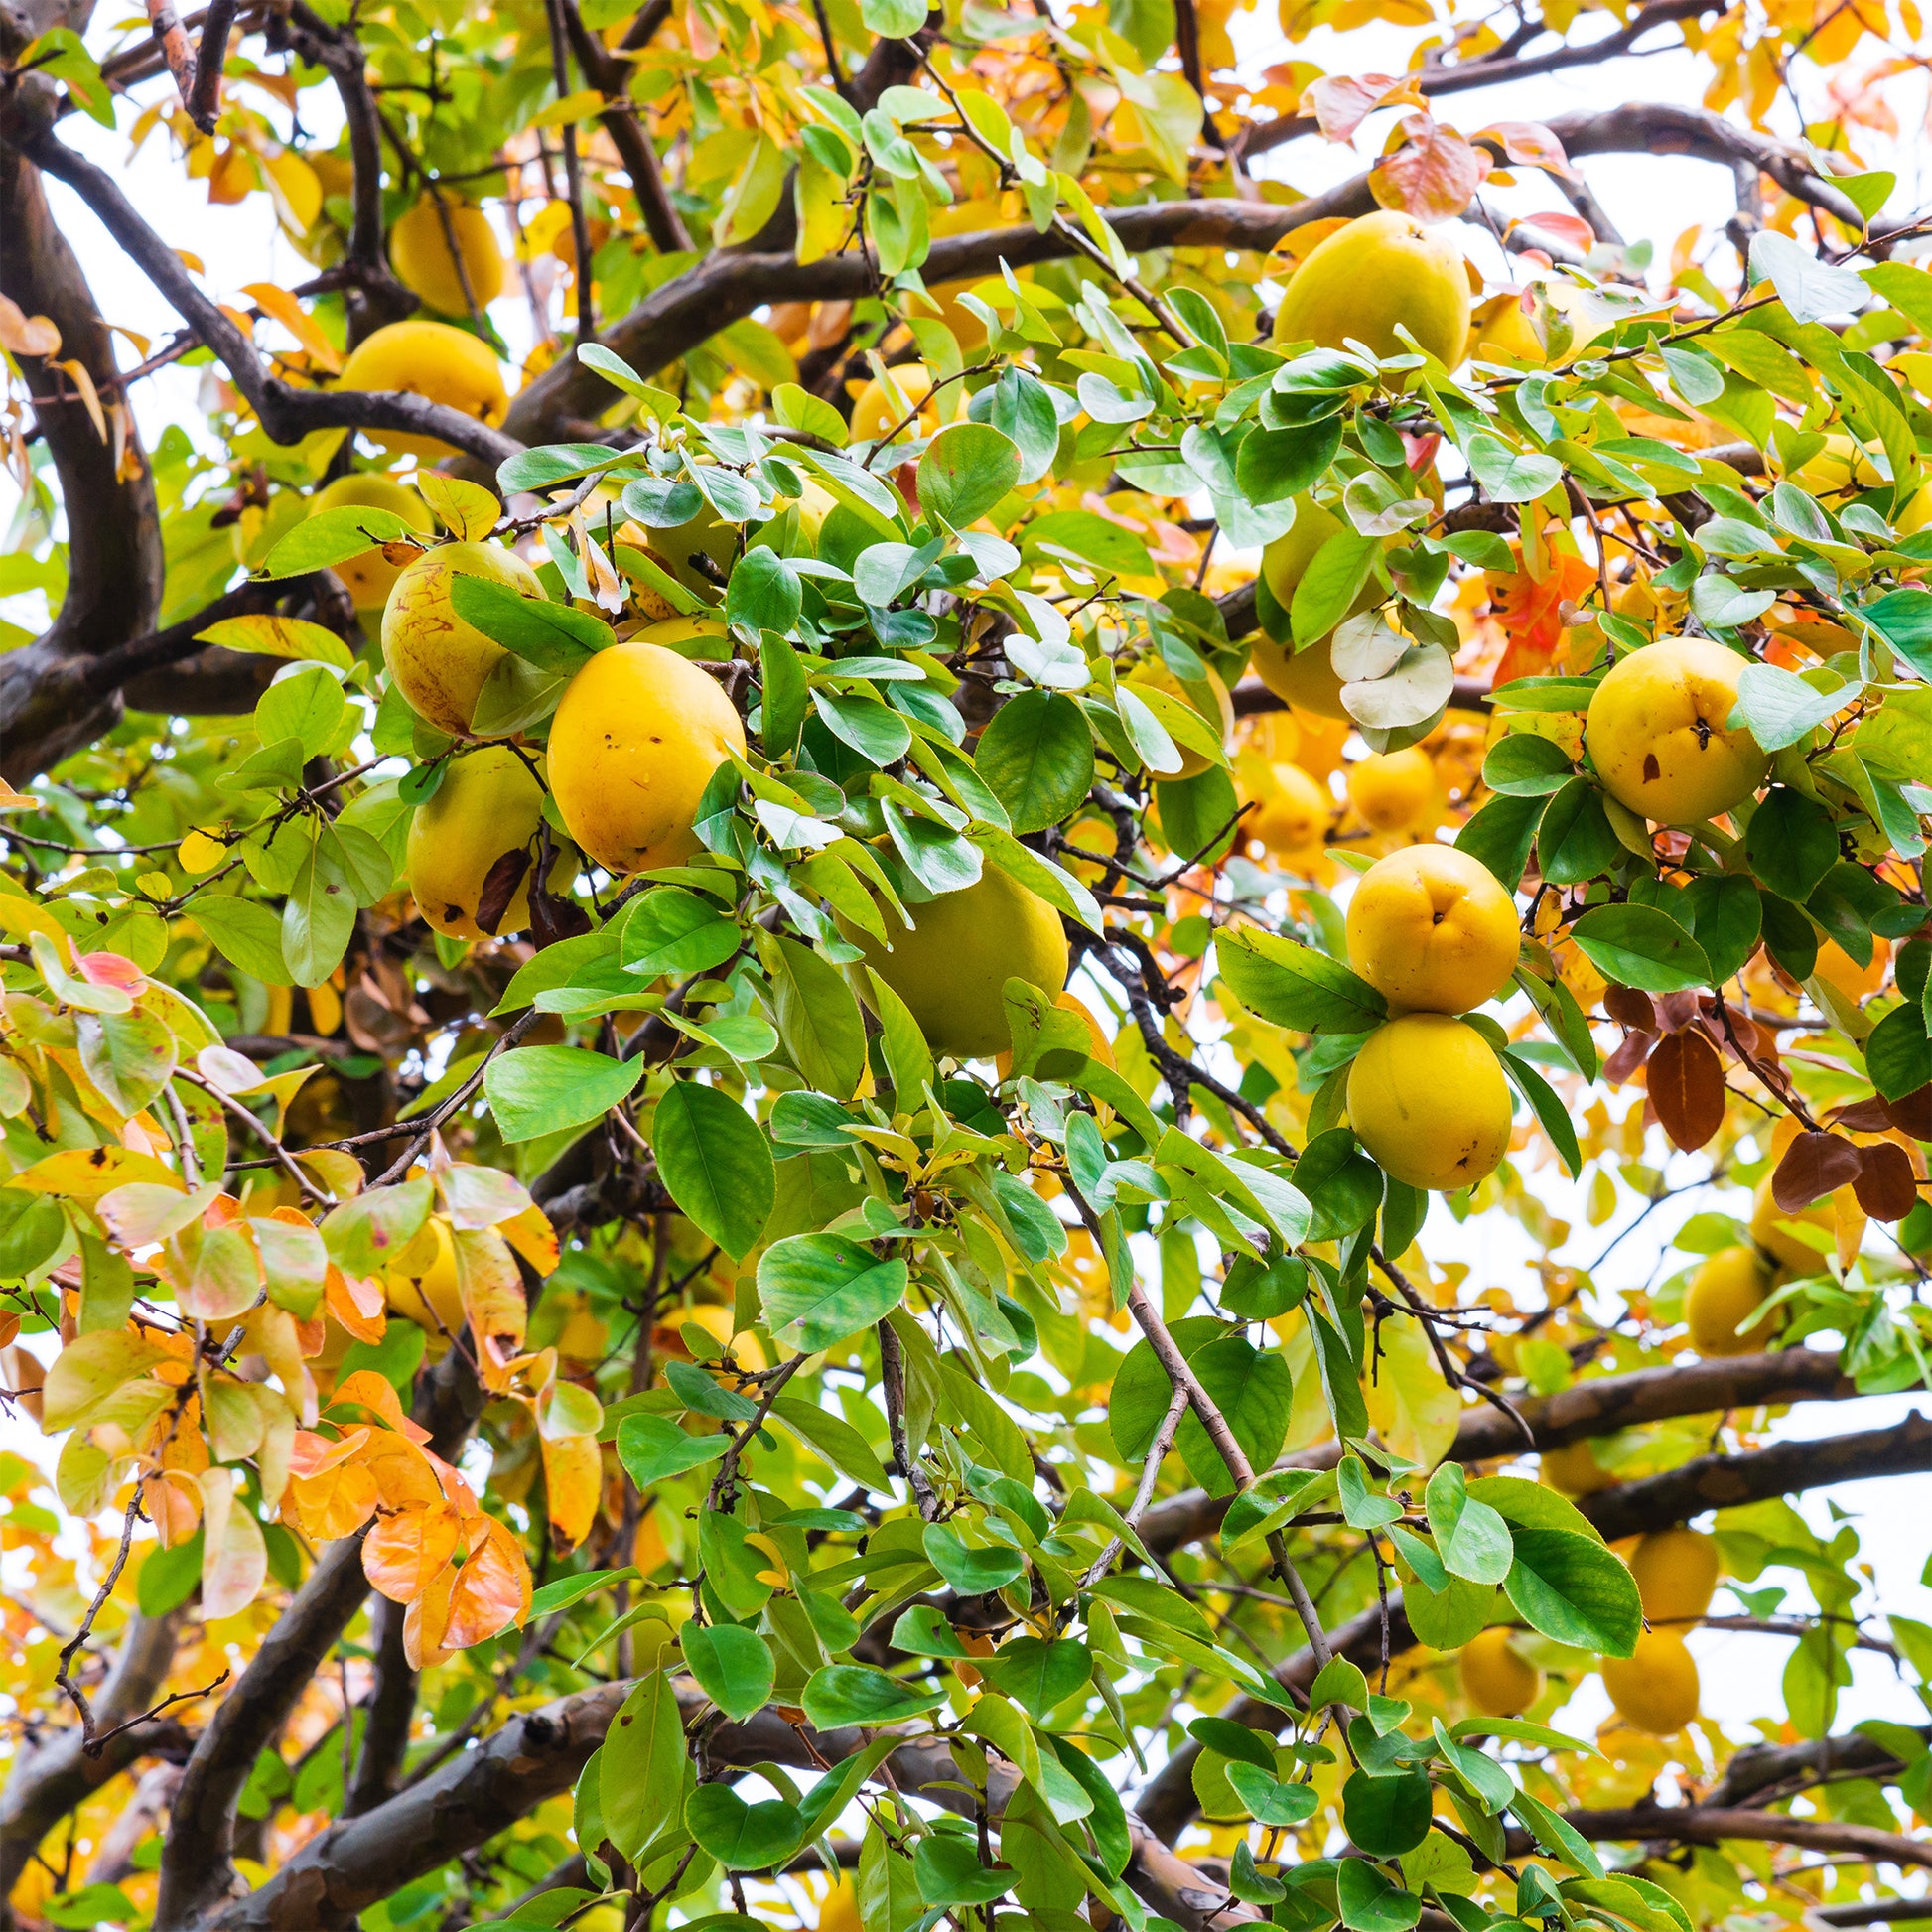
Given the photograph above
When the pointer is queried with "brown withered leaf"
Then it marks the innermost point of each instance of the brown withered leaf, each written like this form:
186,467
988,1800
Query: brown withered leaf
1815,1164
1911,1114
554,917
1629,1007
1862,1117
1628,1056
499,887
1885,1185
1687,1087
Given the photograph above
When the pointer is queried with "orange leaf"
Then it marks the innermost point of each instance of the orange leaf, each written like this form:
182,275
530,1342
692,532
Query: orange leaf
426,1619
356,1301
403,1474
492,1297
332,1505
573,1479
377,1394
491,1590
316,1455
405,1552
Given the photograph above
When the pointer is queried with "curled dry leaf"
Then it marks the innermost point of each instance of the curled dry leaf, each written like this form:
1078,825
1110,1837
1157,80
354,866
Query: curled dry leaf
25,334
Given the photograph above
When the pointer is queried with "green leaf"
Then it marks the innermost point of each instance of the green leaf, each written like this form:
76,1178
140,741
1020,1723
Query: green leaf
1369,1902
318,921
1471,1538
555,637
949,1872
781,679
1295,986
1523,764
1271,1802
1330,585
1501,834
734,1668
1778,706
714,1163
966,469
1510,475
1727,915
1276,462
1899,1056
566,1591
742,1837
854,1694
1809,288
1573,838
872,729
1550,1111
1037,754
333,536
1791,843
640,1788
819,1290
1637,945
765,595
1903,619
1386,1816
671,930
652,1449
536,1090
1556,1835
1571,1587
969,1570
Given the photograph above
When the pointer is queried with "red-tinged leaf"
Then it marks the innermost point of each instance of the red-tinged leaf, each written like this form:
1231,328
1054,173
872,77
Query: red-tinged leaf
356,1301
234,1558
1340,103
406,1551
1686,1080
1434,177
1912,1114
1534,145
1870,1116
1886,1188
226,1276
492,1589
111,969
1814,1166
481,1198
1571,229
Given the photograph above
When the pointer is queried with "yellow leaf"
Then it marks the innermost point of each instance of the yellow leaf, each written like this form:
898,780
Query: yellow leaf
84,1174
10,799
286,310
89,394
266,635
198,853
92,1368
1413,1408
466,509
25,334
579,106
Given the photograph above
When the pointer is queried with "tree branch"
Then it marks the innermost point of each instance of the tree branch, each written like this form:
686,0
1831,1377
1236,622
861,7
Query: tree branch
1708,1825
206,100
391,1707
287,414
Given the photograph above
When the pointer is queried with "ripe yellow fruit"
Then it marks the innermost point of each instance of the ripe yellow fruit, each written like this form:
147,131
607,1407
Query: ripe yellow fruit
1785,1248
706,533
427,359
1285,559
1396,792
486,806
369,578
876,410
1380,270
1207,696
431,1296
1838,968
840,1911
634,743
438,661
1677,1573
1573,1469
1657,734
419,248
1307,679
1427,1099
1502,329
951,969
688,637
1433,928
1294,813
1496,1678
1723,1295
1656,1688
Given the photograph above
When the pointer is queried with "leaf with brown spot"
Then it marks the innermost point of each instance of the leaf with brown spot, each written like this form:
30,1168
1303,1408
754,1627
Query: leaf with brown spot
1814,1166
1687,1087
1886,1188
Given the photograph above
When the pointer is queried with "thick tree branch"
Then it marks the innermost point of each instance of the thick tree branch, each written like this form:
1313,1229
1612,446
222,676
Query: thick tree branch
1784,1768
676,318
1595,1406
197,1865
1709,1825
287,414
391,1707
1169,1803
